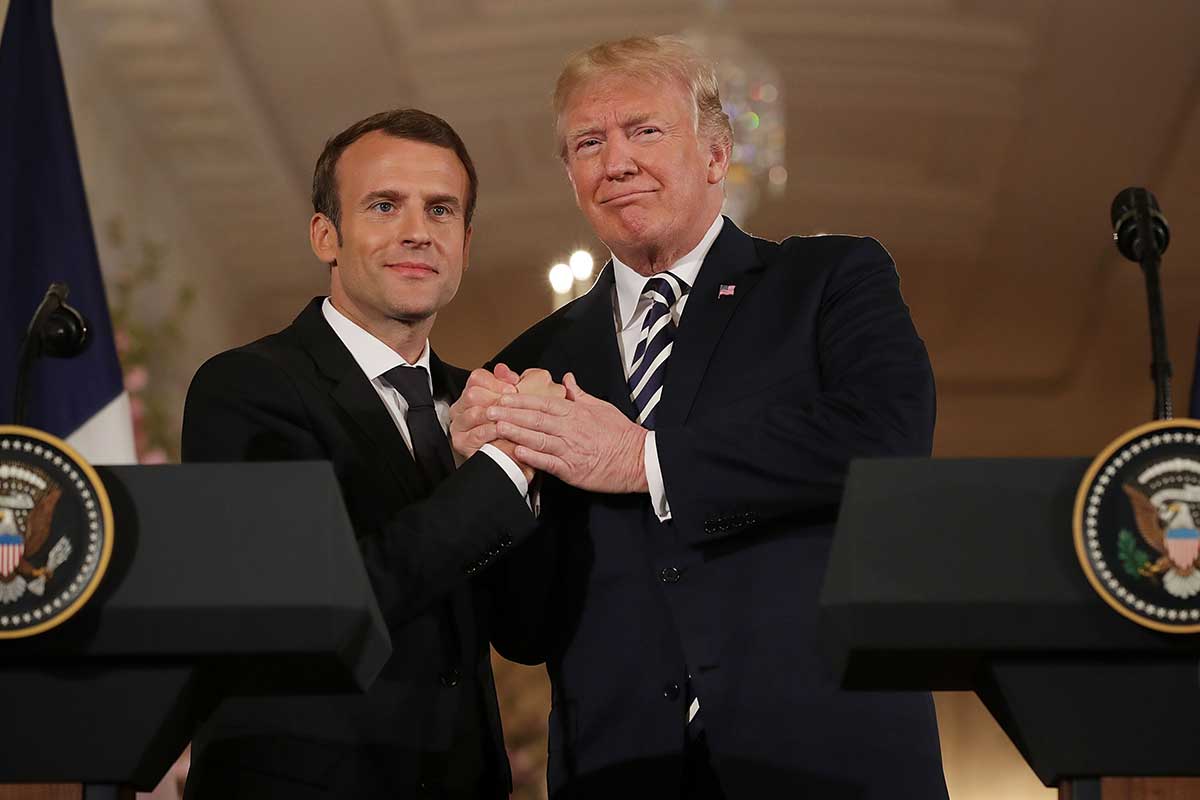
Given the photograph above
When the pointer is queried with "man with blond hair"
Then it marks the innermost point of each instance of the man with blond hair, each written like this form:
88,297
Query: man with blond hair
717,386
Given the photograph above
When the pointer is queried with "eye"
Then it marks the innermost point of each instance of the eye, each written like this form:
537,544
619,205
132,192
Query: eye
584,144
384,206
647,130
440,210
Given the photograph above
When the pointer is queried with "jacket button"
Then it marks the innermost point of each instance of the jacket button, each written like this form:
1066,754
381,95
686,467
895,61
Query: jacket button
669,575
450,678
671,691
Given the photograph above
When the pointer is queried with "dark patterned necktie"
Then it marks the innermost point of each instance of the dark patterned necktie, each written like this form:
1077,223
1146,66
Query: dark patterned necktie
431,450
649,370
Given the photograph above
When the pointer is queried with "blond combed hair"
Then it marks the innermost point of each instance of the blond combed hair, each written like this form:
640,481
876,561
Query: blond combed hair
658,59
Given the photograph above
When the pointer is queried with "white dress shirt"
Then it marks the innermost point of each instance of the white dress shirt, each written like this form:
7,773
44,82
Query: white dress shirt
629,311
375,358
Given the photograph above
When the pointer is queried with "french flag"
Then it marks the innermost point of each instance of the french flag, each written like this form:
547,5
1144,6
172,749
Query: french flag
45,236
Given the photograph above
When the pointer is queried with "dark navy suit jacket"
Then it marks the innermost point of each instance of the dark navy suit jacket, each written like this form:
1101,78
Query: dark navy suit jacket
770,392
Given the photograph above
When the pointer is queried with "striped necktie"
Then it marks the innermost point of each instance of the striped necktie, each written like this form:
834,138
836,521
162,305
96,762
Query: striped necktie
649,370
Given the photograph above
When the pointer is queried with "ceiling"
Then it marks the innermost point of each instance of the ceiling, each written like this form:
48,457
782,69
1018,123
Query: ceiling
981,141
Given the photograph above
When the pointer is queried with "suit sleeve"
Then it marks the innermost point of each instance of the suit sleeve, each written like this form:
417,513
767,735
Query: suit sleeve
726,475
242,406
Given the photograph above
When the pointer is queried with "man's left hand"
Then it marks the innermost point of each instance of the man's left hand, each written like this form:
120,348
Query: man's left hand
580,439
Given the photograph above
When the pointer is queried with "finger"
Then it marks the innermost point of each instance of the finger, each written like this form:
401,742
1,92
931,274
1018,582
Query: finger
483,434
478,396
531,420
537,402
481,378
541,461
543,388
468,418
507,375
467,442
484,429
535,440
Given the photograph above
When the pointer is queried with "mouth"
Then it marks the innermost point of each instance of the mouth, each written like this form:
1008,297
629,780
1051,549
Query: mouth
412,269
626,197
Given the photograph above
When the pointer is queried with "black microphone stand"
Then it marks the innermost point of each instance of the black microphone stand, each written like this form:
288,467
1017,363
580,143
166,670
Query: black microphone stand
1160,362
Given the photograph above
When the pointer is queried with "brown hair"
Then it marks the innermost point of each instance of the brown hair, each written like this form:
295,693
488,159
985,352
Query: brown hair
649,58
402,123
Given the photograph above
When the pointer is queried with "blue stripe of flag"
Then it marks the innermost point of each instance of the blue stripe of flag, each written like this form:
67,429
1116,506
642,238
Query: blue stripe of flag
45,230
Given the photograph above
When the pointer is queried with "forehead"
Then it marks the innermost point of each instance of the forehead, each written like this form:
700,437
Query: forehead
619,95
377,161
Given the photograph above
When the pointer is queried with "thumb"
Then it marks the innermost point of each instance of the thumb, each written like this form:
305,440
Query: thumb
502,372
574,392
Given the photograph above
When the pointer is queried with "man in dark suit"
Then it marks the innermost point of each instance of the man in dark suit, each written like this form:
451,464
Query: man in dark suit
717,387
354,381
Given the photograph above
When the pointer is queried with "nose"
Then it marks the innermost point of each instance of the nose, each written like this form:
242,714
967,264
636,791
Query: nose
413,228
618,159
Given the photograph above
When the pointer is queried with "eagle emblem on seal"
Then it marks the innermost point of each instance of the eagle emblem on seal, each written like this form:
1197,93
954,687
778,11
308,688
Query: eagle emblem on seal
28,497
1166,523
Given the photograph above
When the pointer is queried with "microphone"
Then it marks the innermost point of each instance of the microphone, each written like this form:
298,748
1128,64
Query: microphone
1135,211
57,330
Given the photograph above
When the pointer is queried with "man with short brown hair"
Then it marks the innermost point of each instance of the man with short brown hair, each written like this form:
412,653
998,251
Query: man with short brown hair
353,381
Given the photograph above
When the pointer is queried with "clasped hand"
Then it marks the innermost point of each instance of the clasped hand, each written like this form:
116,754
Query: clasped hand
556,428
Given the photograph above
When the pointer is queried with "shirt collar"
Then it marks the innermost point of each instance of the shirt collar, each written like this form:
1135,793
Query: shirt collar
373,356
630,284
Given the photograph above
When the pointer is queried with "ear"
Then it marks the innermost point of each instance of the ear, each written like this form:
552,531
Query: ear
467,248
323,238
719,155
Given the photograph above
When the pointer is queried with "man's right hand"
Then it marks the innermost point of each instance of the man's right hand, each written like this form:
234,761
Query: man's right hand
469,426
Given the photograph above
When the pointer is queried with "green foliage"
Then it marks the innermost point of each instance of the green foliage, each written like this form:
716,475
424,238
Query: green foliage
145,345
1133,558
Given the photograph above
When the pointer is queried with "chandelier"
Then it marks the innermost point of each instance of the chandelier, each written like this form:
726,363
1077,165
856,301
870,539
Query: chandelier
752,96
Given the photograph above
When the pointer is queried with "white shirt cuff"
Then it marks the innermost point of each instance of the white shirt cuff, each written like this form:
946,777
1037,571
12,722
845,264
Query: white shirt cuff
654,479
509,466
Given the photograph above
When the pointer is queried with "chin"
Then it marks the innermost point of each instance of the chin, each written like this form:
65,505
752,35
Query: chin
631,229
412,313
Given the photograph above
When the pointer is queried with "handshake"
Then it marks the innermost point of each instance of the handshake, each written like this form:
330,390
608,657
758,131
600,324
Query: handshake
543,426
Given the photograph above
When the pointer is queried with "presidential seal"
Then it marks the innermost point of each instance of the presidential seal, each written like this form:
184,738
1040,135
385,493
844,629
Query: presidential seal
55,531
1136,533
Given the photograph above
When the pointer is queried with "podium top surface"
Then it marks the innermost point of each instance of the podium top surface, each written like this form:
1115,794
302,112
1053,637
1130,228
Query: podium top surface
973,557
221,561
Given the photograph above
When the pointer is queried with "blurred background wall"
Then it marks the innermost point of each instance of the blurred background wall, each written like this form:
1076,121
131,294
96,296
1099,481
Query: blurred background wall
980,141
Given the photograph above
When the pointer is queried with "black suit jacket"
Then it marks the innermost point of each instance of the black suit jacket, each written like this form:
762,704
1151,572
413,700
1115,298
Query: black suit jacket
770,390
299,395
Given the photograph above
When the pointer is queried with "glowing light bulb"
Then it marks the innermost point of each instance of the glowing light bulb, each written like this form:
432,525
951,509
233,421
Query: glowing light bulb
581,265
561,278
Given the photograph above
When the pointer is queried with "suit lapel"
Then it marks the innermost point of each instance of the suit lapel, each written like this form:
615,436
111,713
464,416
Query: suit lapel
732,261
353,392
591,345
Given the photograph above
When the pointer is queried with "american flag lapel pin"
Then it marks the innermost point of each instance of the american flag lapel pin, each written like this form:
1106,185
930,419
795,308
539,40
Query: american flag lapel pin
726,290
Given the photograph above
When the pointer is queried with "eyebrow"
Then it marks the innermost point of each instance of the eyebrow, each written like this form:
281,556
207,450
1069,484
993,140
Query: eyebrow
625,122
